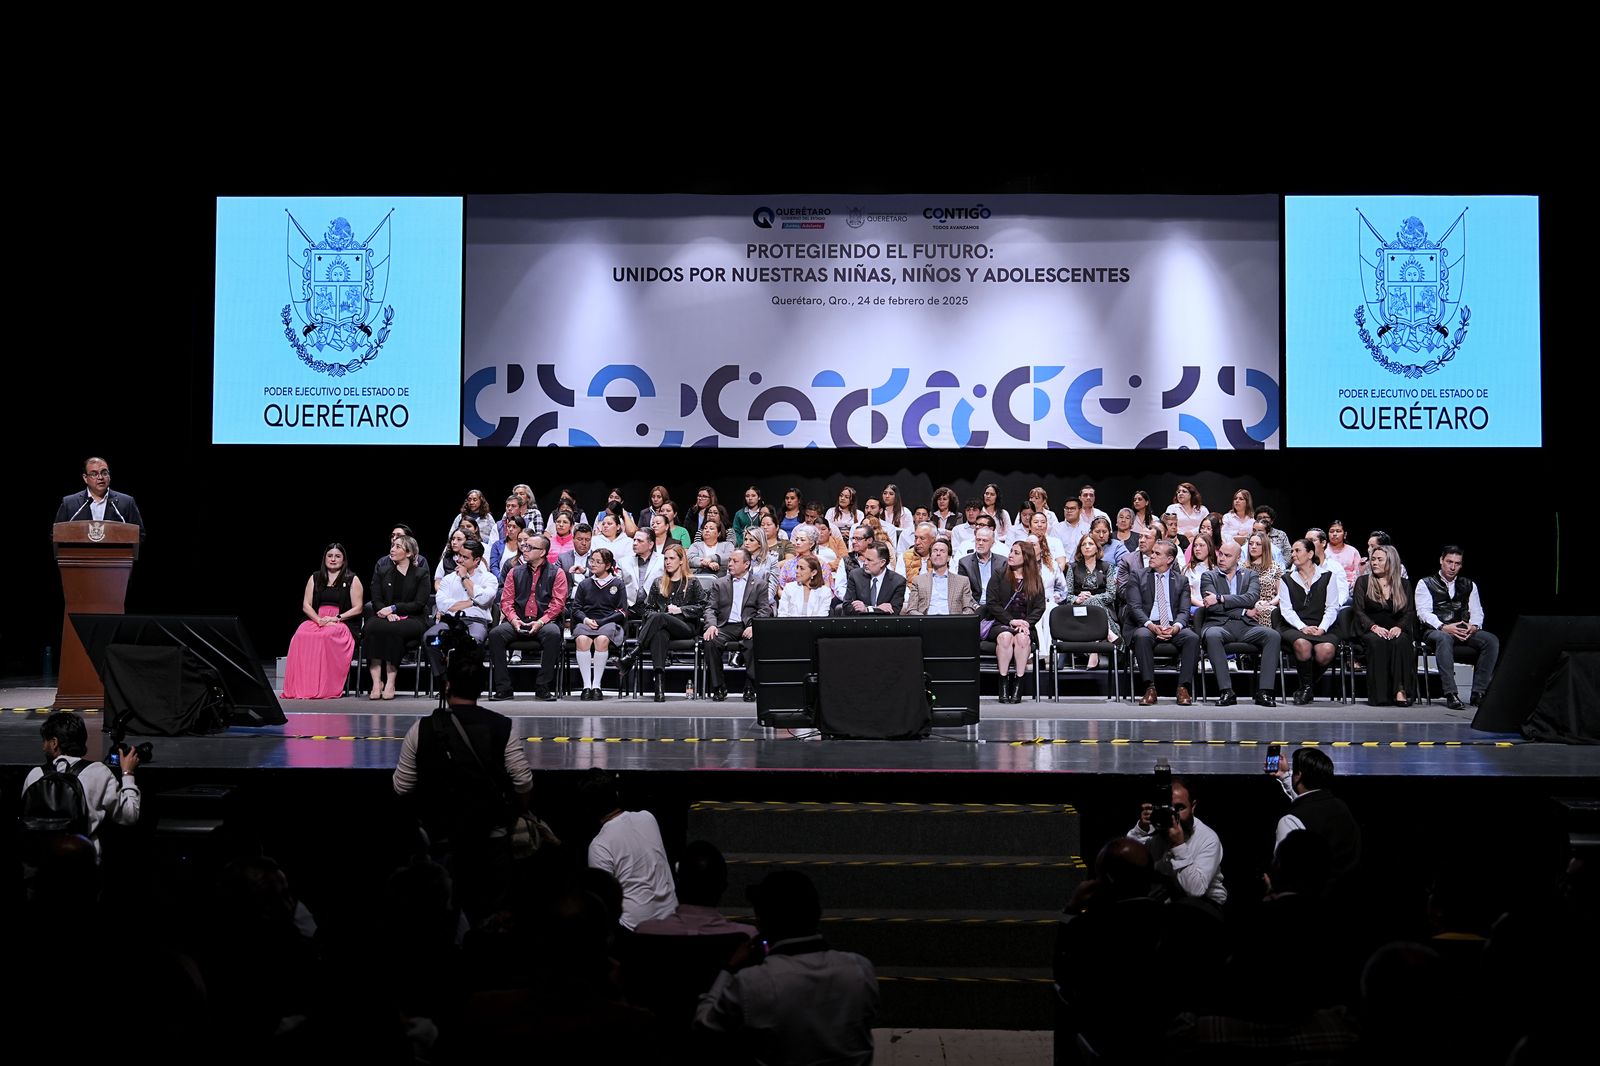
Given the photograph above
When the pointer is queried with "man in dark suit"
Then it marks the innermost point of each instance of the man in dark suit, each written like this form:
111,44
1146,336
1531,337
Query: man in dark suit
1158,608
874,588
735,602
97,502
575,560
981,566
1229,590
1129,568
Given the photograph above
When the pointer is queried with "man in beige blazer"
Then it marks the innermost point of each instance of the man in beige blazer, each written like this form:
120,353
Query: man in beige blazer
924,597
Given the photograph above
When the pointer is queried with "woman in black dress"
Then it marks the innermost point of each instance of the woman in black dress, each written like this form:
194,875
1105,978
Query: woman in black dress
671,612
1307,608
399,597
1386,620
1014,605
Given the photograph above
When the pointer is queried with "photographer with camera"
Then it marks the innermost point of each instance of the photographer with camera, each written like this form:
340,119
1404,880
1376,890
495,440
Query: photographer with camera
1185,852
70,795
470,779
464,597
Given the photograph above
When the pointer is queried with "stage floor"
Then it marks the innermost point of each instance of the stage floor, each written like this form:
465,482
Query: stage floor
1085,735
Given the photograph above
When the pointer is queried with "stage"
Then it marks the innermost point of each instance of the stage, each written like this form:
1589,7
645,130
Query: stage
1079,735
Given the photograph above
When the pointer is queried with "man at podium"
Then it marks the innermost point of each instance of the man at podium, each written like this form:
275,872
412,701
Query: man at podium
97,502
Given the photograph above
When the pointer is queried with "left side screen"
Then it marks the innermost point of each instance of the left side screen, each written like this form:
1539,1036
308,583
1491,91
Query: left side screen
338,320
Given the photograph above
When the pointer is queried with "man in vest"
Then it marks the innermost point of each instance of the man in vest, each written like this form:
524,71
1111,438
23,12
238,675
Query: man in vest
531,603
1313,806
1448,606
470,777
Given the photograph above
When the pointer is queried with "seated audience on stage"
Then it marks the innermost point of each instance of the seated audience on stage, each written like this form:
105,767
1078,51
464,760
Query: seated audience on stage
873,587
399,598
1343,553
566,501
805,1003
749,514
599,607
321,648
807,595
981,564
1280,540
671,610
562,524
1073,525
896,516
961,536
939,590
843,515
608,534
777,539
1258,557
503,553
1385,617
704,507
1126,531
1189,508
1201,559
764,561
1053,562
668,511
1319,550
1240,521
1012,606
830,549
532,517
629,848
1211,526
1113,546
384,562
1158,610
1187,856
793,511
1278,557
1090,580
913,560
531,606
709,554
734,602
803,542
1129,567
1046,542
476,508
575,560
1180,540
1086,498
513,509
1451,616
468,590
1376,539
643,566
658,496
1306,612
453,547
946,511
1140,516
626,526
993,508
1229,592
702,878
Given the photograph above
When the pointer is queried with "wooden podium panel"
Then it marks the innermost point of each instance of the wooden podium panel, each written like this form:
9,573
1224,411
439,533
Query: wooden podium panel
96,559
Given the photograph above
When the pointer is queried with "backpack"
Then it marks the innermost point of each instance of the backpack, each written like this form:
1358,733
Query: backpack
55,805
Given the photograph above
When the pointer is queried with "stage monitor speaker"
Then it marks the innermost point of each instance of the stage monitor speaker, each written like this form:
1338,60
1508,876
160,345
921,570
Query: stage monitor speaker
872,689
168,675
1539,685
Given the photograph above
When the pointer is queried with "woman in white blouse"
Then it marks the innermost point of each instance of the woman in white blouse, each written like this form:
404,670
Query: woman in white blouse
1189,508
842,516
1240,522
992,508
808,595
1143,517
1201,558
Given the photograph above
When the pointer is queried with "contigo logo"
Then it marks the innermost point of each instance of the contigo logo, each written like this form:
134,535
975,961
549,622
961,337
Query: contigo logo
956,214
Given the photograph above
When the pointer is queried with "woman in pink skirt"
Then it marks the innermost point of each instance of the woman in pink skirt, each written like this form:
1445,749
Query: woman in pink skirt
320,652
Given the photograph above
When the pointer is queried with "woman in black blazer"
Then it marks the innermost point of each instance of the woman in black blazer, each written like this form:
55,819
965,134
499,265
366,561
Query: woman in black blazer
399,597
1012,608
671,611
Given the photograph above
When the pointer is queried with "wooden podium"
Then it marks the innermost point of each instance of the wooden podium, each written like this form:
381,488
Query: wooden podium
96,559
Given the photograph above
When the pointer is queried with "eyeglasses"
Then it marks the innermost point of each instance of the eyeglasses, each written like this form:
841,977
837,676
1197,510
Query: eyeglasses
531,548
98,473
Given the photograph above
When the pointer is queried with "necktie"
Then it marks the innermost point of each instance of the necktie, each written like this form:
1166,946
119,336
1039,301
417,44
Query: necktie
873,601
1163,615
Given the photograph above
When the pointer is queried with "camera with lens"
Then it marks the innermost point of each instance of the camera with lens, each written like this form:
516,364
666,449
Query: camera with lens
1161,813
119,747
455,636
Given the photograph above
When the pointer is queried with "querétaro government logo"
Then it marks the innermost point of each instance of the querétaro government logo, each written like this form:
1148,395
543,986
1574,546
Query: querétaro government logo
1413,287
337,286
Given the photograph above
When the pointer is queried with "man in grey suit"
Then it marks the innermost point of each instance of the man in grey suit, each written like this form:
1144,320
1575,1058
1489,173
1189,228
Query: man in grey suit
1158,608
575,560
936,590
1229,590
97,503
982,565
874,588
736,600
1129,567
